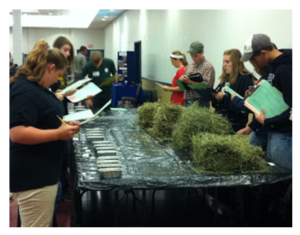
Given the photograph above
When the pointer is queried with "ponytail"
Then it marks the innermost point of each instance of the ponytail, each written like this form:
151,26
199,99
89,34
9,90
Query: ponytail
37,60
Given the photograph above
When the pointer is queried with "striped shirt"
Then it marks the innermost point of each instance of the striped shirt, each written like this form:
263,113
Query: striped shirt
207,71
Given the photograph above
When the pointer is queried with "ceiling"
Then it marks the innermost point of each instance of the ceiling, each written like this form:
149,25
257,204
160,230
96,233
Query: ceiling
101,19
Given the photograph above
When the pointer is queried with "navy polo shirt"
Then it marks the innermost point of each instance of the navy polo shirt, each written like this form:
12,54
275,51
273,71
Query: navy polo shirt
34,166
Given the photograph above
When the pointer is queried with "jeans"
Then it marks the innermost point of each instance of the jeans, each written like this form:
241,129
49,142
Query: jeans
259,138
202,103
280,148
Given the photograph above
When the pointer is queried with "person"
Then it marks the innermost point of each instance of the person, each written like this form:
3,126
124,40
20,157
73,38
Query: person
80,59
178,59
100,70
66,47
37,135
276,67
239,79
202,66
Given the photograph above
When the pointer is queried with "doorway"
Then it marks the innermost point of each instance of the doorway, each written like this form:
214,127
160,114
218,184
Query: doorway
137,62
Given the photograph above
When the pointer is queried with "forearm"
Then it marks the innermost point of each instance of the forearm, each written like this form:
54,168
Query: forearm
174,89
31,135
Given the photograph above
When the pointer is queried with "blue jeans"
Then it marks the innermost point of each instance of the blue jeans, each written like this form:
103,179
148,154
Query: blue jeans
202,103
280,148
259,138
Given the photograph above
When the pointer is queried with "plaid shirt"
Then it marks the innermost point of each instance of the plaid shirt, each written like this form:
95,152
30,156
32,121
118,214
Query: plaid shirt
207,71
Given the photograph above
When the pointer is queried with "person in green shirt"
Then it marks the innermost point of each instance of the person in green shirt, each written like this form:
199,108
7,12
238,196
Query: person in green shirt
101,70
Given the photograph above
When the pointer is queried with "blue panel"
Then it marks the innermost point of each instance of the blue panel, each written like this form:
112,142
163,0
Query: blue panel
108,12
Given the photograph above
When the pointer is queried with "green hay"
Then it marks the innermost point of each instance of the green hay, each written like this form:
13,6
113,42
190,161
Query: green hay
146,114
164,120
195,119
227,154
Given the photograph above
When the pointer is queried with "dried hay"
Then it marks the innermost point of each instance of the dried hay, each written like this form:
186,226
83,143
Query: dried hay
195,119
164,120
227,154
146,114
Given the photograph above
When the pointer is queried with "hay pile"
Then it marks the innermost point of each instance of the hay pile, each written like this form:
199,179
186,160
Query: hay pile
227,154
195,119
164,120
146,114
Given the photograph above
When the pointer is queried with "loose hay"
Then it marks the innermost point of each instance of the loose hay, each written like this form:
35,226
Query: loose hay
164,120
146,114
195,119
227,154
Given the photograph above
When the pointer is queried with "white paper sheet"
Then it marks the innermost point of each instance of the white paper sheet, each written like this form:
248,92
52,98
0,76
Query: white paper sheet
83,93
78,116
96,115
76,84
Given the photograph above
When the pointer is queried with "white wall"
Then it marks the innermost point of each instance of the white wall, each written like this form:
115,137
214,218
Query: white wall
163,31
78,37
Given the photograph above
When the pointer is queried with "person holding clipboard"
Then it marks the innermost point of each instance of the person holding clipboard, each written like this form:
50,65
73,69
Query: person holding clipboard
238,78
37,135
178,59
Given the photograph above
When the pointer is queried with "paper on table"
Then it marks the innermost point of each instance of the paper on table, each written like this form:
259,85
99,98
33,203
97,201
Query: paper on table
83,93
118,109
268,98
76,84
78,116
96,115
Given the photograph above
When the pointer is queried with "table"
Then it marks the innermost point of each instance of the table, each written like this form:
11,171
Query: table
148,164
125,91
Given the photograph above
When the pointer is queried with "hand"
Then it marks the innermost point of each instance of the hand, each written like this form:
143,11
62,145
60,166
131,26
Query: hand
89,101
246,131
261,117
67,132
70,92
218,96
183,78
59,96
165,88
232,96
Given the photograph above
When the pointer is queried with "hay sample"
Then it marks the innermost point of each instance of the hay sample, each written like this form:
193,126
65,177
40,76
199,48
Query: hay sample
164,120
195,119
146,114
227,154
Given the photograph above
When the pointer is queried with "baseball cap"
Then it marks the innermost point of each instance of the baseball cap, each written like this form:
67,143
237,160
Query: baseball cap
255,43
195,47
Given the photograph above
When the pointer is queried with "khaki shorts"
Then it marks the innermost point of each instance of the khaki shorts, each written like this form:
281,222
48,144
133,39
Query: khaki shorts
36,206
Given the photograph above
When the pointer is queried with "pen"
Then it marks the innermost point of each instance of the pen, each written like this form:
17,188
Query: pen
64,123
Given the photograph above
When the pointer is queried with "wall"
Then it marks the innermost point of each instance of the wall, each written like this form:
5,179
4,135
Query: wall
78,37
163,31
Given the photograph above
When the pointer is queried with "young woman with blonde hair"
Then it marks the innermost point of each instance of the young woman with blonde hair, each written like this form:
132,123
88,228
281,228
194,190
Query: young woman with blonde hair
37,135
238,78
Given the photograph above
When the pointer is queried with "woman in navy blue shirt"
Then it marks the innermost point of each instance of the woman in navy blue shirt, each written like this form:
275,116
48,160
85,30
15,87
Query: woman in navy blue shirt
37,135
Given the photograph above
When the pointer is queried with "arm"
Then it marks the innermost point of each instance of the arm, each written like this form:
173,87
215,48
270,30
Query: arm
173,89
30,135
83,62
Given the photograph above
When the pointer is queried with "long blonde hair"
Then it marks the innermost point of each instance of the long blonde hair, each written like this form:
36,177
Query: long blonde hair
184,62
37,60
238,67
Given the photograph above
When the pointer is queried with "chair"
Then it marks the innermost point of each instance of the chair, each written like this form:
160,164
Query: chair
130,102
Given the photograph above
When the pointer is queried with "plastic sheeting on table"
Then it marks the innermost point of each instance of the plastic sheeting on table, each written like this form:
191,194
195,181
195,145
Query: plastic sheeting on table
148,164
